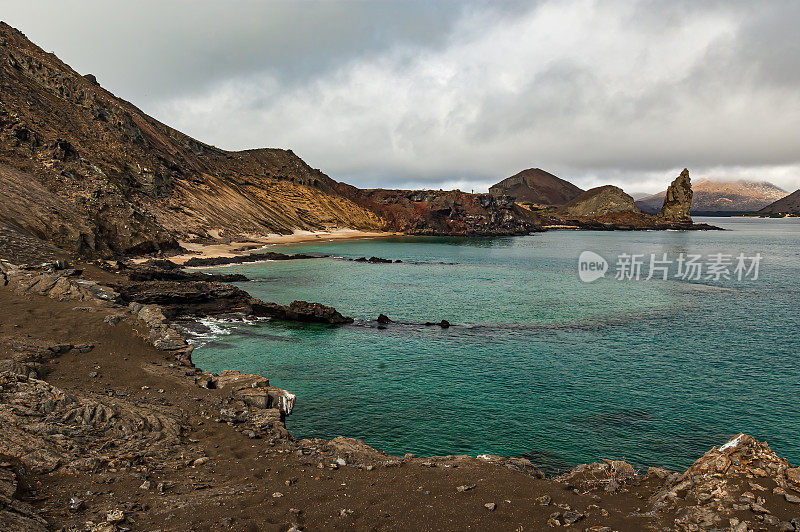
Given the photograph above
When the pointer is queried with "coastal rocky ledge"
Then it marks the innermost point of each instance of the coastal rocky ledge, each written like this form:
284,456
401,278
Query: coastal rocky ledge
120,433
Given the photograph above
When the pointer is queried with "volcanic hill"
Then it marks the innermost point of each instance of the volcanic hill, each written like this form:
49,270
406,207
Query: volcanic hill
536,186
93,174
787,205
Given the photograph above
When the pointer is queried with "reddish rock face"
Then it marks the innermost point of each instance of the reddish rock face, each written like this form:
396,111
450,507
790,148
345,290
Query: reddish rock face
448,212
678,199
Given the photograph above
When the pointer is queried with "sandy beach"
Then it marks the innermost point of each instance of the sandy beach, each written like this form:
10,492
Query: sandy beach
255,241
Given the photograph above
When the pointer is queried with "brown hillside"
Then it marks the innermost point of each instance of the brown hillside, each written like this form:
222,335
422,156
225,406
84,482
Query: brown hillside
95,174
787,205
536,186
600,200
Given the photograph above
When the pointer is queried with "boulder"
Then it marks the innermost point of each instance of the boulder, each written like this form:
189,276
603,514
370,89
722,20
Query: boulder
253,390
608,475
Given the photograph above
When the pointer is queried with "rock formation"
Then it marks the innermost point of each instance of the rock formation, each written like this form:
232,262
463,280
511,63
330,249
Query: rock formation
449,212
739,486
598,201
536,186
678,199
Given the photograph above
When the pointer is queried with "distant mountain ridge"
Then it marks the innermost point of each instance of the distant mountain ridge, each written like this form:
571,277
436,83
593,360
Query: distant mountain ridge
534,185
722,197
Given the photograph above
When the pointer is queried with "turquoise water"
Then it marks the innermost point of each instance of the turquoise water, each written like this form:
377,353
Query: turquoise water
537,363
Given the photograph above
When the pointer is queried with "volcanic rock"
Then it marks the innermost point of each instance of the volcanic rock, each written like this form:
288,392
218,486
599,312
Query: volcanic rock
448,212
536,186
678,199
787,205
300,311
253,257
600,200
97,176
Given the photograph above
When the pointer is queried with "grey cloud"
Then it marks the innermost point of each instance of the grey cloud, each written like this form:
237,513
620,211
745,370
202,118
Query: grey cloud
150,49
459,94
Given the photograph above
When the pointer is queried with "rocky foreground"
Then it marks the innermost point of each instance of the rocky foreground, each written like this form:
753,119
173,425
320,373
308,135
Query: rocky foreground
108,426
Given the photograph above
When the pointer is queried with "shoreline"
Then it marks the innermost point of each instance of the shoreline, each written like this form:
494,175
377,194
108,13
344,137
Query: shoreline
255,242
233,425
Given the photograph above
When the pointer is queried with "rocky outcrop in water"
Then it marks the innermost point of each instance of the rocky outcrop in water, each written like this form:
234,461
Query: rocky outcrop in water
252,257
165,270
137,292
714,198
300,311
678,199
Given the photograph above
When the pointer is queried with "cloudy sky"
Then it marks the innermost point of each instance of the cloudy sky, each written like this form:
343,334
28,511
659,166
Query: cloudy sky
457,94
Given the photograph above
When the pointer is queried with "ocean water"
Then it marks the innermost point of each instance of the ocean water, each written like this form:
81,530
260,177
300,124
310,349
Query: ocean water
537,363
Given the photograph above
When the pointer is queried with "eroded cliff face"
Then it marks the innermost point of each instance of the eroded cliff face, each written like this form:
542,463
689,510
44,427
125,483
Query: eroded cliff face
95,175
678,199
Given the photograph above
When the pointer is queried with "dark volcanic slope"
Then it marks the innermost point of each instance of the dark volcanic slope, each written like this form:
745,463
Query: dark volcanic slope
536,186
788,205
722,197
92,173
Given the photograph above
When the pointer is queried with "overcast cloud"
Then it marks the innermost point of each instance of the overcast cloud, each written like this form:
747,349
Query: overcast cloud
446,94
